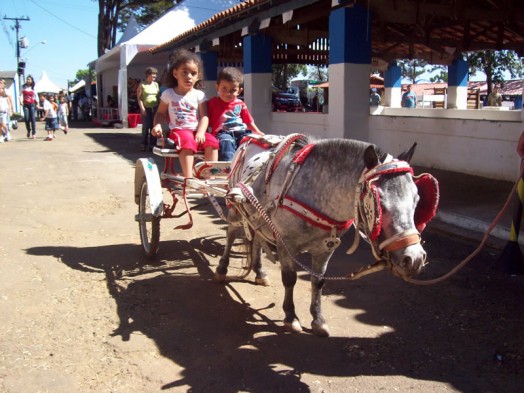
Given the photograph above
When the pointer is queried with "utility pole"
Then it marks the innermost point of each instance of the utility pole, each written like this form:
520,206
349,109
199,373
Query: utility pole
20,65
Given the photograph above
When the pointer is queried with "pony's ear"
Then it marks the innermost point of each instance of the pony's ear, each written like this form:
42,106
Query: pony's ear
371,157
408,154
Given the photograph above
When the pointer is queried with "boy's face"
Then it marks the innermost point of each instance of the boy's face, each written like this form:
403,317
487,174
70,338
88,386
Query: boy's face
228,91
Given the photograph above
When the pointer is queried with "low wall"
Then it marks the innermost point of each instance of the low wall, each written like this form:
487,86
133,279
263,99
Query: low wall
475,142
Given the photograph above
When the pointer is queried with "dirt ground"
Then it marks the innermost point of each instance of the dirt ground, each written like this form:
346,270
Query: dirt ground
83,311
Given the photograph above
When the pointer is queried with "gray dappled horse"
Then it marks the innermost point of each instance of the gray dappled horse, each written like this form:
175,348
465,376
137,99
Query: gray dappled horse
303,195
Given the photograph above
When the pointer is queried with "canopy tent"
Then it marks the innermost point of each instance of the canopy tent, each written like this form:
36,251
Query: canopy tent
80,84
128,60
45,85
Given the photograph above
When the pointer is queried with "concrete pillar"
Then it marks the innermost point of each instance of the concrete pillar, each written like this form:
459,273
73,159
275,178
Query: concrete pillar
393,86
349,71
258,79
458,84
210,60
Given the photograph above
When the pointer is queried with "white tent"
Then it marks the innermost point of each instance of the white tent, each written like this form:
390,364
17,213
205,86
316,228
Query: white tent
129,59
80,84
45,85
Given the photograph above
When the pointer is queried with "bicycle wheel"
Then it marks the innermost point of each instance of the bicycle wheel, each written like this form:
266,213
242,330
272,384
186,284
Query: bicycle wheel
148,224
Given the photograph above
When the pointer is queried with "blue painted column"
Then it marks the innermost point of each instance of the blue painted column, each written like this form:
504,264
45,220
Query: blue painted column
210,60
393,86
458,84
258,72
349,72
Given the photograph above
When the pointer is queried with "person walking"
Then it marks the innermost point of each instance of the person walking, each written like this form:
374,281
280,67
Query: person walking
187,110
374,98
409,98
5,112
148,93
29,100
229,117
63,114
494,98
51,117
7,109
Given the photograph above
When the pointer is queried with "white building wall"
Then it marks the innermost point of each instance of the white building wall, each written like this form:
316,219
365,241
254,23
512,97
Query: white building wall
476,142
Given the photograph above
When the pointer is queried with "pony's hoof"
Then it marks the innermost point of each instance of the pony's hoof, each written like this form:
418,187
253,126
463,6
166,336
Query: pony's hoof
320,329
263,281
293,327
220,278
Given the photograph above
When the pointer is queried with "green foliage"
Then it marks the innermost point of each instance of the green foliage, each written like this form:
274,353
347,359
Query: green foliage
412,68
87,75
145,13
318,73
441,76
283,73
495,64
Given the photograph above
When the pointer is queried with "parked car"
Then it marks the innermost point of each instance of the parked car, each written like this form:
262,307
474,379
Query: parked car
282,101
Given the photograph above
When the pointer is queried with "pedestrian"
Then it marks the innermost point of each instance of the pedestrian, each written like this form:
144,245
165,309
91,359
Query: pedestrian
187,110
374,98
229,117
5,111
51,117
494,98
6,107
409,98
40,106
63,114
29,100
148,94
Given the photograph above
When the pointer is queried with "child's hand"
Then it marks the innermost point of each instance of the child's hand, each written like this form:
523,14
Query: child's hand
200,137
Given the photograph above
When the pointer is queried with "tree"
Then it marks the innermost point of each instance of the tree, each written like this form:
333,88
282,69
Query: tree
283,73
412,68
494,64
114,14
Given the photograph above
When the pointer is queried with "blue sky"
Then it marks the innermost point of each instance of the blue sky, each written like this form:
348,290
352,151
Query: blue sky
69,28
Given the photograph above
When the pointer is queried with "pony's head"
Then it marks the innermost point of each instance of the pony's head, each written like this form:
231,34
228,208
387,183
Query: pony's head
393,210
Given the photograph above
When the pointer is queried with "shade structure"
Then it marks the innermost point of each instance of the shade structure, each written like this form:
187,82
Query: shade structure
45,85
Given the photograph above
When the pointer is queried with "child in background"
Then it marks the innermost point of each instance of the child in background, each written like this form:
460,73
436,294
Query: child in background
229,117
63,113
187,110
51,118
6,110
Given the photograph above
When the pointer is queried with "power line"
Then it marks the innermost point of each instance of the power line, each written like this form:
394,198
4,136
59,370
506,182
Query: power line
62,20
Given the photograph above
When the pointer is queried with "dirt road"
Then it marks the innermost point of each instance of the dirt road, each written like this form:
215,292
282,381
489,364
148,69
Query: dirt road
83,311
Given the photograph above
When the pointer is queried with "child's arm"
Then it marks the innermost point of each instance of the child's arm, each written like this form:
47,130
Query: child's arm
203,123
253,127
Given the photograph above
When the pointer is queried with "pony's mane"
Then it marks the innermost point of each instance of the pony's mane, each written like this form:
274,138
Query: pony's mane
339,148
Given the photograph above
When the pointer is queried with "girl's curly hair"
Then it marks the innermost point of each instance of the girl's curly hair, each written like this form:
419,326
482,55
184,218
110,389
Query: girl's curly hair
179,57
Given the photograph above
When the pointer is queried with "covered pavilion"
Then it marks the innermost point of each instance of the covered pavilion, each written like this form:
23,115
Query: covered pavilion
354,37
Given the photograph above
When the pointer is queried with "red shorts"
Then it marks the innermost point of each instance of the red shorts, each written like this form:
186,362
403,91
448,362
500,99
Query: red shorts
185,139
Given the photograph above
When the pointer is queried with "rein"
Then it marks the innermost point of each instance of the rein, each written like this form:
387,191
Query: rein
479,247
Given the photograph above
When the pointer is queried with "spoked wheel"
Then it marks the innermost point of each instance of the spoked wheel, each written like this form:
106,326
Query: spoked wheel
148,224
240,259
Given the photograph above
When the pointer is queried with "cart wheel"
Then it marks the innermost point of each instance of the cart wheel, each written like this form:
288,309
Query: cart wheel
240,259
148,224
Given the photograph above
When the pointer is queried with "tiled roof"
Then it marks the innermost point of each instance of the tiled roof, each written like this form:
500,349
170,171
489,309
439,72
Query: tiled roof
235,11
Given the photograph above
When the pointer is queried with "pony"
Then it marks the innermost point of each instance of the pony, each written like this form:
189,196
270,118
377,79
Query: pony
301,195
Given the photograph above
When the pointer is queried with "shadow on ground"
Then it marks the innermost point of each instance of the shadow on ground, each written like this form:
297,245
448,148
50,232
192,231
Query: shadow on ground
466,332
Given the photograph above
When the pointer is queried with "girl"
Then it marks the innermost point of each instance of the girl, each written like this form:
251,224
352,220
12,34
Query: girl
187,110
29,99
63,113
51,118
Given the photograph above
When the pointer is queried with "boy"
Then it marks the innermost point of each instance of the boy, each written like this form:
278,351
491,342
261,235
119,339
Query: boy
229,117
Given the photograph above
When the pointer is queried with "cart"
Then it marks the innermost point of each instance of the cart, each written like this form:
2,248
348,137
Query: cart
158,193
